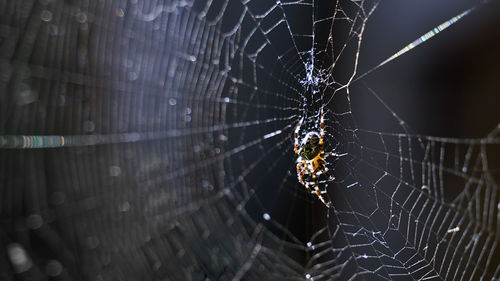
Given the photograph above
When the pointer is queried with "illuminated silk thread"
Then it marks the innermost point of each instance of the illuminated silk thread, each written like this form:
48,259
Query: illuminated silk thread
46,141
419,41
55,141
427,36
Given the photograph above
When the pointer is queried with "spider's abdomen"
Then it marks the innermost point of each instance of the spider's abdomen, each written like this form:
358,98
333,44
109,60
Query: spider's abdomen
310,147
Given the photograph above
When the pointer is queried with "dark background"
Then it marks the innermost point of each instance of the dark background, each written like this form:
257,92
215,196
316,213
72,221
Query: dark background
163,204
447,85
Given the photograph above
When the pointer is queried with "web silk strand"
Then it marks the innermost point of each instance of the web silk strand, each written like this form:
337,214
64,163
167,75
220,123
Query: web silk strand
419,41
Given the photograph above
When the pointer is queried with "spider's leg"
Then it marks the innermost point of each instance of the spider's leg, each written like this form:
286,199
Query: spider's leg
325,172
317,191
301,172
335,154
296,135
315,176
321,167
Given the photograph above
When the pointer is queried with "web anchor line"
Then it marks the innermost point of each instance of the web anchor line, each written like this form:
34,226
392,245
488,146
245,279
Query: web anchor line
419,41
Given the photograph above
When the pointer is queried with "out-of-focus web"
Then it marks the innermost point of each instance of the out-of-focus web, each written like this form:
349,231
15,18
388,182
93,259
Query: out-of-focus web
44,141
218,196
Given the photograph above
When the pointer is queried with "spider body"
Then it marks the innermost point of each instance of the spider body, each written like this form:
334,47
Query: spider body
310,147
311,162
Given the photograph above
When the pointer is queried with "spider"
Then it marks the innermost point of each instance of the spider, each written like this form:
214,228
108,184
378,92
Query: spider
311,161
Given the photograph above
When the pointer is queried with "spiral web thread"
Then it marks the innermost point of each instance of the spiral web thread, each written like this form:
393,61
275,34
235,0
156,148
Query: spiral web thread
156,140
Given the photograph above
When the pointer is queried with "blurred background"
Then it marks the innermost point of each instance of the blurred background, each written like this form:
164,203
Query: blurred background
448,83
152,140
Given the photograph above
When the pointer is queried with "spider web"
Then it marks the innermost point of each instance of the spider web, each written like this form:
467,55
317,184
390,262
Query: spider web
153,140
